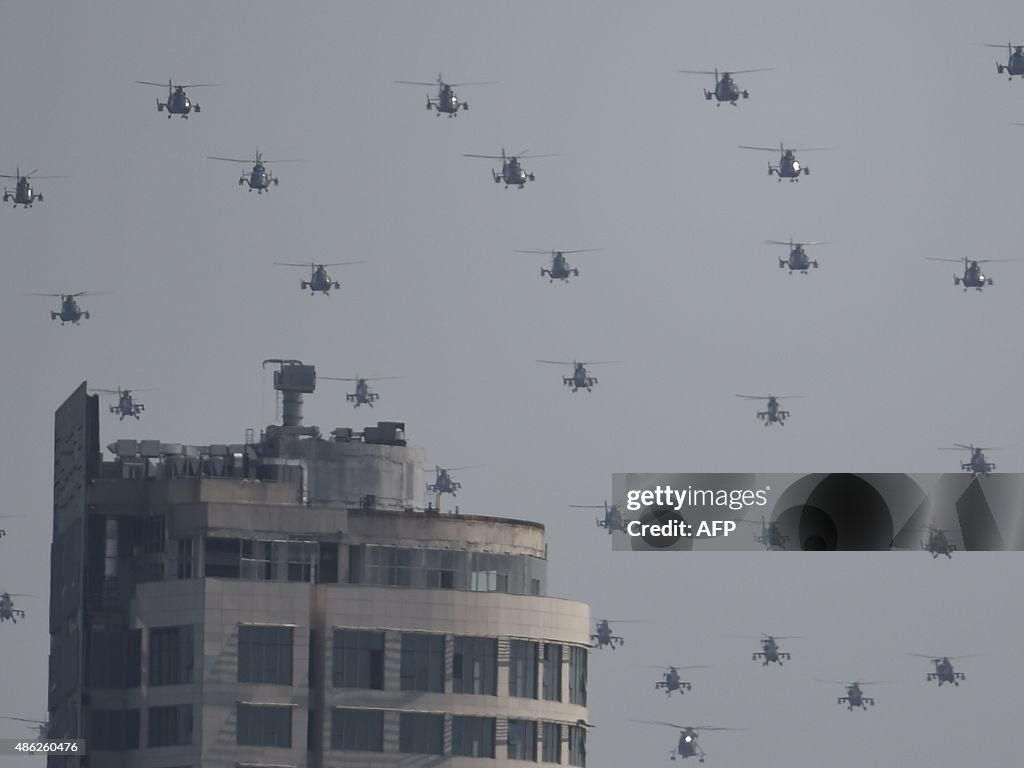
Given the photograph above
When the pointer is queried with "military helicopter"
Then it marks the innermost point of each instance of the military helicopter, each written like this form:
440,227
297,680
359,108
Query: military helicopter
687,746
944,672
773,414
259,177
798,260
612,520
938,544
362,395
977,464
672,682
23,193
443,482
7,610
972,277
512,172
42,727
446,100
319,281
854,695
788,167
560,267
771,536
1015,59
580,379
725,87
603,634
69,311
770,650
126,405
177,102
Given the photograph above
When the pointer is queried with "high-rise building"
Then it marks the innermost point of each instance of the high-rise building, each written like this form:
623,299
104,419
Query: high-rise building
292,601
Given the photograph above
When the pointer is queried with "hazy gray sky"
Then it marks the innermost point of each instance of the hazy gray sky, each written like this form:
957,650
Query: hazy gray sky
893,358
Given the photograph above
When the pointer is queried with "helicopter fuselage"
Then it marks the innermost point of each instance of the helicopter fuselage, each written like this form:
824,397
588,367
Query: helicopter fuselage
1013,66
512,174
944,673
726,90
973,277
178,103
446,102
580,379
798,261
23,194
259,179
319,282
560,270
788,168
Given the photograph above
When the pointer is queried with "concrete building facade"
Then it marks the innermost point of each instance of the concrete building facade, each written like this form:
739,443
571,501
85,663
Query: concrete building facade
291,601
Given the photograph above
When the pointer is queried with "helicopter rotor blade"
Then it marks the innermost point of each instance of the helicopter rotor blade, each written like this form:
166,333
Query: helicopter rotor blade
556,362
759,149
462,469
550,251
675,666
662,722
747,71
460,85
414,82
951,261
56,295
487,157
794,242
522,155
602,362
202,85
991,261
696,72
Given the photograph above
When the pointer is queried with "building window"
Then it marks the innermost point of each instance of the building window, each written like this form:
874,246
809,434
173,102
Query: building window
578,676
422,663
114,730
186,558
522,740
264,726
357,730
551,738
522,671
265,654
115,658
440,569
399,567
552,672
421,734
356,558
473,736
475,666
171,651
577,745
170,726
223,558
484,581
358,659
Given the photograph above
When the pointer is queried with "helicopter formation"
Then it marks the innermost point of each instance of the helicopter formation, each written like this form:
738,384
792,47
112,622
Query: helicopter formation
771,653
